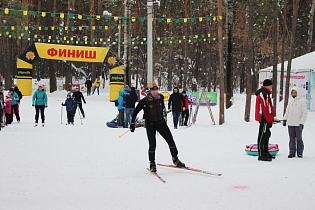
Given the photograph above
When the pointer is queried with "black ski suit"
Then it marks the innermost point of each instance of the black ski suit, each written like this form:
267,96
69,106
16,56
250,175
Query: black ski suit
154,121
88,85
78,97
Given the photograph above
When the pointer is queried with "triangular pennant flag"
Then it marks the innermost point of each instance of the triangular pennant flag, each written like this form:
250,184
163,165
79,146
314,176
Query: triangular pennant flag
98,17
16,12
43,14
25,13
52,14
79,17
62,15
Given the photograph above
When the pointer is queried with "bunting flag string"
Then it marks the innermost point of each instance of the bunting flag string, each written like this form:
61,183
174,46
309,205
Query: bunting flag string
106,17
205,38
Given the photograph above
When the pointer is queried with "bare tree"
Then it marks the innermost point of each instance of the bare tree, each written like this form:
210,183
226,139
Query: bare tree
311,27
284,38
229,63
275,55
250,62
220,38
292,40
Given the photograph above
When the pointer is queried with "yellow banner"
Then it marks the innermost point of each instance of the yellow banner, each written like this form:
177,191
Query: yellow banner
71,53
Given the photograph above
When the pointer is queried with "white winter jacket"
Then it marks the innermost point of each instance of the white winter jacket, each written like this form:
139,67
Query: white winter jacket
296,111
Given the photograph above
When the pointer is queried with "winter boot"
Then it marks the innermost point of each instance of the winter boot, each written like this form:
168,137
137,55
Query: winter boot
264,158
270,156
152,167
291,156
178,163
300,156
36,124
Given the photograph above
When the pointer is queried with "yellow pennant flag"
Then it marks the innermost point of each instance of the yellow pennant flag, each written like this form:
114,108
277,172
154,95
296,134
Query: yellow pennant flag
24,12
6,11
116,18
209,35
185,20
98,17
26,28
93,27
43,14
200,19
133,19
53,28
106,27
40,28
35,36
80,28
62,15
12,28
49,37
169,20
66,28
22,34
80,17
119,26
71,38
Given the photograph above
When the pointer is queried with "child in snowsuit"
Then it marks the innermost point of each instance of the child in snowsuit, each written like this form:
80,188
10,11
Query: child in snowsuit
69,104
295,117
8,109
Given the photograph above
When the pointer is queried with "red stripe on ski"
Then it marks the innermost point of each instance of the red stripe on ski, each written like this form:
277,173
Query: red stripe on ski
190,169
158,176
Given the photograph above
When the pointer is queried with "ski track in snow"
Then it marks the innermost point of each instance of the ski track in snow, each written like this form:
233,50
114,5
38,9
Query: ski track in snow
88,167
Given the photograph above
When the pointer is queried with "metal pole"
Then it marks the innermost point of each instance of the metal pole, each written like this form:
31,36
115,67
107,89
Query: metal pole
150,47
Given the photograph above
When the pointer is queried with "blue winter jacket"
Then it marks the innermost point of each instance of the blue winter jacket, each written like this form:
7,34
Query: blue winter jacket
15,98
40,97
69,104
120,100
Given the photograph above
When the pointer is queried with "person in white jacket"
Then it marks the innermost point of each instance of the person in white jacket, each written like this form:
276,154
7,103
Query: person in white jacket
295,117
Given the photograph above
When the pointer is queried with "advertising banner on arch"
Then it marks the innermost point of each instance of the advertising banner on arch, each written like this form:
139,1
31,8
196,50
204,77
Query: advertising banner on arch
71,53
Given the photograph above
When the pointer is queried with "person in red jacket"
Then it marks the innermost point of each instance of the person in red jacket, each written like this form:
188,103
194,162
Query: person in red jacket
185,113
264,115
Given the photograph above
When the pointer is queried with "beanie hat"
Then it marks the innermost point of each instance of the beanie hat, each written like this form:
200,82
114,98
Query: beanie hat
69,94
153,86
184,91
40,86
11,89
267,82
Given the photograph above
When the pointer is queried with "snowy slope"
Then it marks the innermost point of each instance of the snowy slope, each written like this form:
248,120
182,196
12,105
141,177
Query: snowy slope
88,167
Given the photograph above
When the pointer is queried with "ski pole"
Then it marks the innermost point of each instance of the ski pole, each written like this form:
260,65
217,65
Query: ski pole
123,134
61,113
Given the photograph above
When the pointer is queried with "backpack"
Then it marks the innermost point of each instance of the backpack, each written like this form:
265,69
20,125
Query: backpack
116,103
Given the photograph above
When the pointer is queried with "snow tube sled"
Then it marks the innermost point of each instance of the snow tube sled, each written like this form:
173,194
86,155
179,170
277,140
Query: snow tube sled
111,125
252,149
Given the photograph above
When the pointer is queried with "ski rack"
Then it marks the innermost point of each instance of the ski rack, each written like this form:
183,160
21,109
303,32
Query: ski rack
203,95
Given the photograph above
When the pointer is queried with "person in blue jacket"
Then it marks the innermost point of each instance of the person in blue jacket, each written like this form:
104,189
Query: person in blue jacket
40,101
130,99
121,109
69,104
14,106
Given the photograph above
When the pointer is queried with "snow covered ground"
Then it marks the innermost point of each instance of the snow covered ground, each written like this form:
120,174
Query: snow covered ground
88,167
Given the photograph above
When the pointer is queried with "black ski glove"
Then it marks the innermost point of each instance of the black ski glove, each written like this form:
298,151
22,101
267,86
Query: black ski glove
132,127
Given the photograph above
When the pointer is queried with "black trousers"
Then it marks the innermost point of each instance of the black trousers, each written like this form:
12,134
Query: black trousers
165,132
8,118
70,117
185,116
88,91
16,112
263,138
41,109
80,107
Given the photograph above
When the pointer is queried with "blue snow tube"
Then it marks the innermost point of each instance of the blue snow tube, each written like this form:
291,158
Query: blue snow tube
111,125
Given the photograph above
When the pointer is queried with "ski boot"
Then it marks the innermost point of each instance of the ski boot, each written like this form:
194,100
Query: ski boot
152,167
178,163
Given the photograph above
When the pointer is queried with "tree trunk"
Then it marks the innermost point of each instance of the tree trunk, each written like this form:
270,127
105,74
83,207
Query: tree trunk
92,36
186,48
275,56
250,61
311,28
229,64
220,38
293,35
284,38
170,64
52,73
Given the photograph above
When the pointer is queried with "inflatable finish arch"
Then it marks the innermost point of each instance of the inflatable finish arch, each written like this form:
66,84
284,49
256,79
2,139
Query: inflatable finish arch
69,53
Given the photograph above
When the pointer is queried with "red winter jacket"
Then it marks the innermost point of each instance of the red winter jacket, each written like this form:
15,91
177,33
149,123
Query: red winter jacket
186,102
263,105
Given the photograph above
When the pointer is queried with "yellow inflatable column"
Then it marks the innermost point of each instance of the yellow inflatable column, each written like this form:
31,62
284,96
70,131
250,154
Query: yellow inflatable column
116,82
24,77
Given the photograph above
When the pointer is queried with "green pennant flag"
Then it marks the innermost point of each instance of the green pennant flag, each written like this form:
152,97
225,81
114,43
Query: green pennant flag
160,20
124,19
62,42
44,40
215,34
208,18
57,37
175,42
88,17
156,42
5,27
81,42
70,16
46,28
34,13
42,37
16,12
190,37
60,28
52,14
137,42
34,40
165,38
72,42
176,20
116,40
100,27
142,19
78,39
19,28
192,19
106,17
202,35
72,28
33,28
24,37
93,39
87,28
113,27
53,41
133,39
28,35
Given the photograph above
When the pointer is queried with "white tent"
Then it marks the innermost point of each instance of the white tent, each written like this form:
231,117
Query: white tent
302,75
